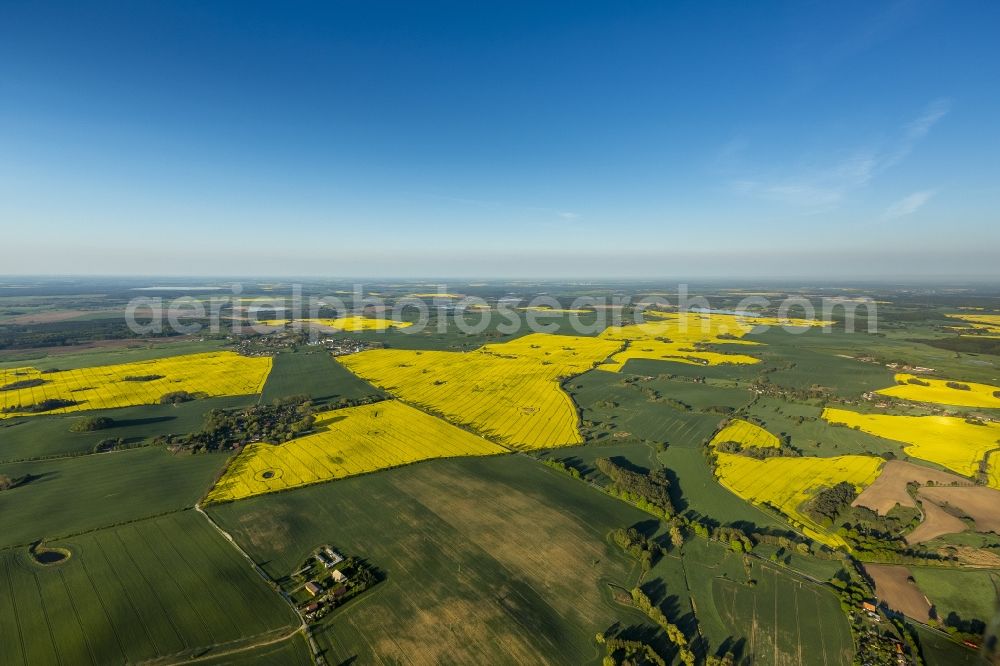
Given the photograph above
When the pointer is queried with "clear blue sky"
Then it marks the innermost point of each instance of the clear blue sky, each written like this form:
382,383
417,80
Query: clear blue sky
535,139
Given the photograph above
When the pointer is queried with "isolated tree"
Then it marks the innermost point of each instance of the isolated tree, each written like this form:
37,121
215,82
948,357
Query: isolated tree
676,536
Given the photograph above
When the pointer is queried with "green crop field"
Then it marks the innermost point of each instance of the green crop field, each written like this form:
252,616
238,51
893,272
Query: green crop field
969,595
621,410
485,560
652,368
599,385
785,620
73,495
702,497
45,436
940,650
165,586
812,434
316,374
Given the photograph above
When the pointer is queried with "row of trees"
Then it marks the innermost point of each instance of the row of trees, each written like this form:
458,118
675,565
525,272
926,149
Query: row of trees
674,634
40,407
649,491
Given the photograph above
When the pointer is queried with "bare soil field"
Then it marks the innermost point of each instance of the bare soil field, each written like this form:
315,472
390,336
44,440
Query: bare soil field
47,316
103,345
894,589
889,488
936,522
980,503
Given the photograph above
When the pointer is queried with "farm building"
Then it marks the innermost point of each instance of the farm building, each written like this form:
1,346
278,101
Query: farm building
329,557
338,576
313,588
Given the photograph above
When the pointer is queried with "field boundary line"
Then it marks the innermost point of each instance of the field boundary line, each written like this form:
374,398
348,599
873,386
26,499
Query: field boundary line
303,626
64,537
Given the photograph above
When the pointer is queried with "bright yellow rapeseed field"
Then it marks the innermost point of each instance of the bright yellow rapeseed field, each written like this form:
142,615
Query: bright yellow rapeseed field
949,441
938,391
993,470
138,383
352,323
348,441
988,322
746,434
787,483
679,338
510,391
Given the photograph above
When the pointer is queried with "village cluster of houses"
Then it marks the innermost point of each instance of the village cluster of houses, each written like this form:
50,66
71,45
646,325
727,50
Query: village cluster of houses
343,346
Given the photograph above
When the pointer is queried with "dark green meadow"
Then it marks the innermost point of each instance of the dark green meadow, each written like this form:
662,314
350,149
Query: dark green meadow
168,586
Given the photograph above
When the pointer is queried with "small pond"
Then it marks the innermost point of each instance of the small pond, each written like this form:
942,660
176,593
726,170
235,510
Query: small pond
49,555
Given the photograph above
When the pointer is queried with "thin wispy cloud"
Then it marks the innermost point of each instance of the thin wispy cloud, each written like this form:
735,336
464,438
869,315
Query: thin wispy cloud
908,205
822,189
916,130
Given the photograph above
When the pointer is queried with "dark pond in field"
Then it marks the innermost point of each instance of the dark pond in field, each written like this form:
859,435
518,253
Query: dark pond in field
268,474
49,556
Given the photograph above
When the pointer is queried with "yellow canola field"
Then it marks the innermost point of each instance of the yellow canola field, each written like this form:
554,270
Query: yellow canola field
108,386
353,323
349,441
679,338
993,470
989,322
787,483
721,322
747,434
510,391
946,440
938,391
